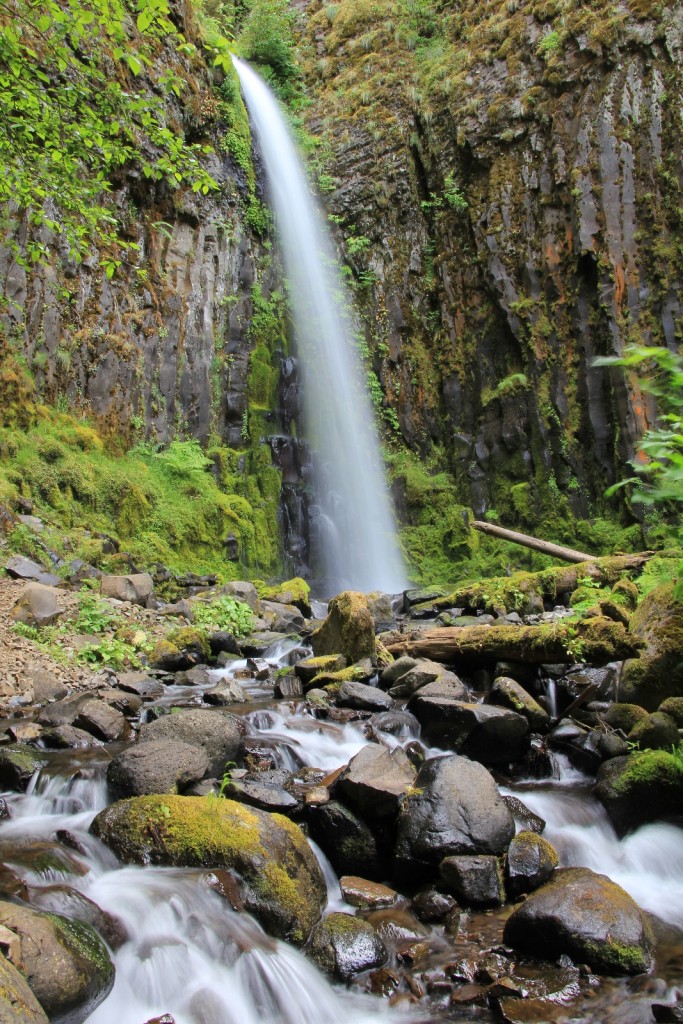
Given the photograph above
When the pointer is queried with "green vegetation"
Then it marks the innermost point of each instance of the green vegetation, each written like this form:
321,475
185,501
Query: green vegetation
223,613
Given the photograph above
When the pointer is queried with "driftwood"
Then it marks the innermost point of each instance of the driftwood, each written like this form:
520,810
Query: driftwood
597,641
546,546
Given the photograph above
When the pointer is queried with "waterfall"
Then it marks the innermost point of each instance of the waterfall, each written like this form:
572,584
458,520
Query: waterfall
358,547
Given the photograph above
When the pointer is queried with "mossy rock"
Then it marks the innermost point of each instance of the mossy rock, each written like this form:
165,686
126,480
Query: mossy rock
658,672
657,731
181,649
18,765
308,668
530,862
624,716
349,629
626,592
295,591
343,946
642,787
65,962
673,706
18,1005
585,916
280,880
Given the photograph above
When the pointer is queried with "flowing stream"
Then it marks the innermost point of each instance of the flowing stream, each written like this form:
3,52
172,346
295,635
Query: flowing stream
356,535
182,950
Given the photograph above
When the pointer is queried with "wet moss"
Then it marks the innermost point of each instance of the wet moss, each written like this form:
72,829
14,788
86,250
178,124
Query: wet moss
658,672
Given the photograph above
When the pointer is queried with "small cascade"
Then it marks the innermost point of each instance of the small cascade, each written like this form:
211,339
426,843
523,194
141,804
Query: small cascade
349,480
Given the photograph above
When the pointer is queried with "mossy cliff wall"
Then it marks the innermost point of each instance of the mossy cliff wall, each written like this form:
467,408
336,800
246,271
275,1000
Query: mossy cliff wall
514,171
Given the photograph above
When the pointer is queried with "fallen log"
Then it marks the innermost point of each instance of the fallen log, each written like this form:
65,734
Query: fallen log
546,546
595,641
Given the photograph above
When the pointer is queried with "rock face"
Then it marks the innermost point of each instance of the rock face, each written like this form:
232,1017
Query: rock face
658,672
587,917
279,877
65,962
215,732
349,629
454,808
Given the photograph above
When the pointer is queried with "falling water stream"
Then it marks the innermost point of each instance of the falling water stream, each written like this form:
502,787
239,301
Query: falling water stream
356,535
187,953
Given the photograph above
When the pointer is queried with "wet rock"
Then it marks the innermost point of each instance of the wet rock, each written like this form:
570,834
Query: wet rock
22,568
645,786
454,808
24,732
36,606
658,672
218,733
474,880
530,862
396,926
346,839
137,588
158,766
656,731
281,883
288,686
65,962
349,629
227,692
62,899
140,683
664,1014
197,676
376,779
308,668
579,743
587,917
612,745
624,716
103,721
261,794
68,737
363,698
360,892
18,765
344,946
432,905
508,693
223,642
482,732
18,1005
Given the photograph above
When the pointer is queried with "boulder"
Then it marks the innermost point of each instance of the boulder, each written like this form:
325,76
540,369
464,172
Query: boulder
393,672
656,731
475,880
658,672
344,946
349,629
376,779
642,787
37,605
346,839
242,591
673,707
102,720
141,683
67,737
137,588
485,733
360,892
585,916
624,716
158,766
280,881
217,732
283,618
227,692
19,567
46,686
65,962
261,794
363,698
423,672
308,668
18,1005
454,808
18,765
508,693
530,862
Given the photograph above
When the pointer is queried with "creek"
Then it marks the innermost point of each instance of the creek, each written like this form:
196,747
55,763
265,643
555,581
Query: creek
187,953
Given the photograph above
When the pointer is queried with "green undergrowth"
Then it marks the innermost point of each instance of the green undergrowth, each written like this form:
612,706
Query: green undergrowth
174,505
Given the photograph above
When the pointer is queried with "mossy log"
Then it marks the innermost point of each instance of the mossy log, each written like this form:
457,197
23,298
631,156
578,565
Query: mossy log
546,546
596,641
517,592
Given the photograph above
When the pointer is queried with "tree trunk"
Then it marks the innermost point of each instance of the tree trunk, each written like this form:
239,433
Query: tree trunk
546,546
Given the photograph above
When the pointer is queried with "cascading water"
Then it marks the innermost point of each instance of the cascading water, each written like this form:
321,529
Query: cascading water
358,543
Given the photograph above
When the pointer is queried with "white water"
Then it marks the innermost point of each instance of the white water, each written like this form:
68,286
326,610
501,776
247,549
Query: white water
362,551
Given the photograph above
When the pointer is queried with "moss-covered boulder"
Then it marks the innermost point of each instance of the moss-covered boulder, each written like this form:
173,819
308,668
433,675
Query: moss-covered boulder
673,707
18,765
18,1005
181,649
279,878
642,787
585,916
65,962
349,629
343,946
658,672
624,716
657,731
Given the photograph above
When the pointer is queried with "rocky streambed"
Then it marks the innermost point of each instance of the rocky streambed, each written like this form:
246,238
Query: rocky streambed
320,828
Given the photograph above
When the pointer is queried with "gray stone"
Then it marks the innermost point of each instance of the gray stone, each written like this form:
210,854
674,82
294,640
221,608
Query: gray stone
158,766
587,917
393,672
266,796
642,787
137,588
216,732
67,737
102,720
530,862
474,880
36,606
657,731
363,698
26,569
283,618
422,673
142,684
46,686
508,693
242,591
485,733
18,765
227,692
376,780
344,946
454,808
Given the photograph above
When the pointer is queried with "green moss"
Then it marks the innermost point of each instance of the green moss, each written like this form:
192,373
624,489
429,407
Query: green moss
83,940
624,716
190,638
648,767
